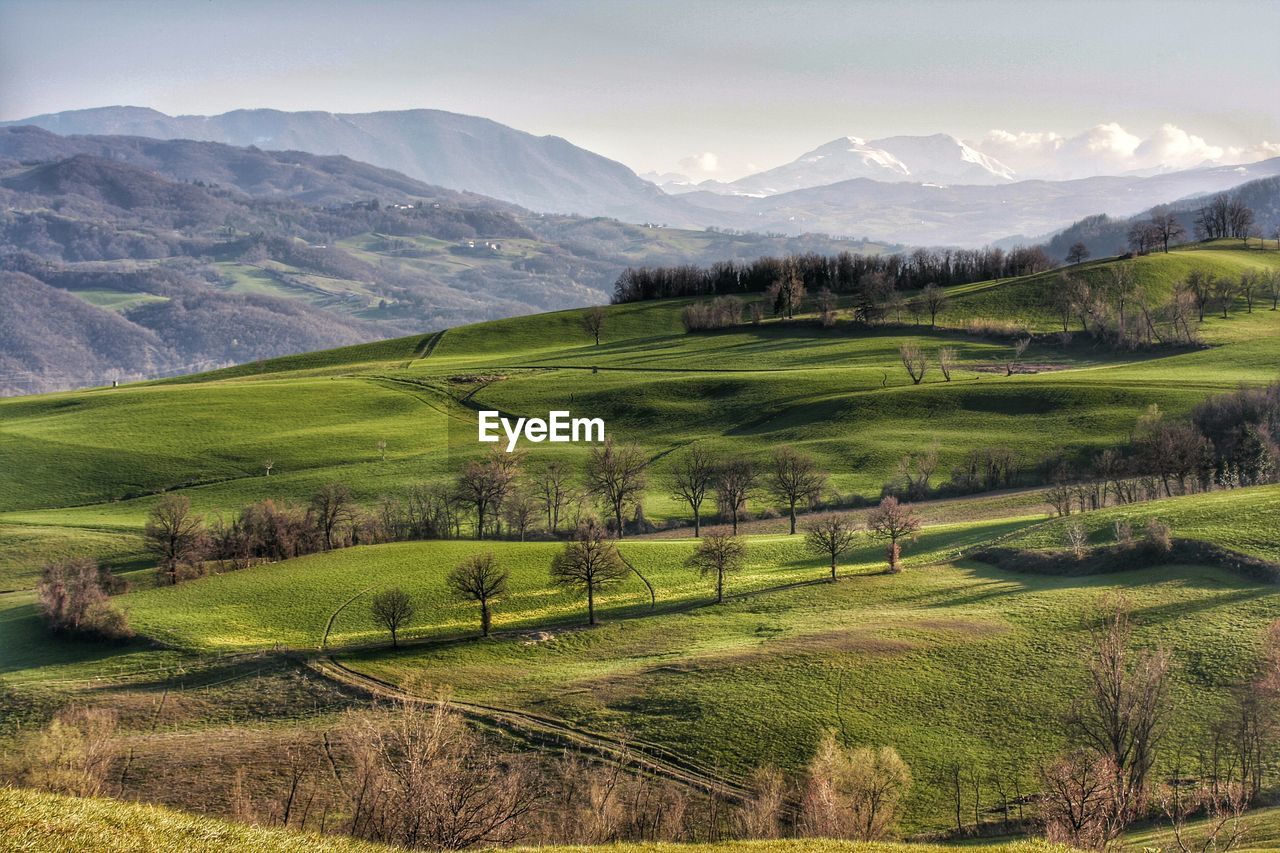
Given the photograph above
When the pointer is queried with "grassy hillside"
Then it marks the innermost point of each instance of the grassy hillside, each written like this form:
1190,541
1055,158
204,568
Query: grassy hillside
294,603
1243,520
952,662
839,394
39,822
43,822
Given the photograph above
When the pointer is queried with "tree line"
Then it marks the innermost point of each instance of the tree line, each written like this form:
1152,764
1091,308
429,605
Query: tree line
846,272
1228,441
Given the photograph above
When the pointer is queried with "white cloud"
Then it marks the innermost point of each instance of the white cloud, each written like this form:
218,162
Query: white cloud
1173,146
703,165
1110,149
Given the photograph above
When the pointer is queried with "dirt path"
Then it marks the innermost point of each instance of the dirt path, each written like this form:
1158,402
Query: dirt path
550,734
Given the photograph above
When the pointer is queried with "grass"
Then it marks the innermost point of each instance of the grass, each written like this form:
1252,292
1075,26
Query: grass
1243,520
37,822
954,663
24,550
951,661
118,300
291,603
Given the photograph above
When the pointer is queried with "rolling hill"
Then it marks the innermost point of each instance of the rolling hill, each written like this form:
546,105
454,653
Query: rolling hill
953,662
191,255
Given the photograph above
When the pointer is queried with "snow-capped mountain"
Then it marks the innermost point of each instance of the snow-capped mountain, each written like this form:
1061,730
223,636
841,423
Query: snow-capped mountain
943,159
940,159
839,160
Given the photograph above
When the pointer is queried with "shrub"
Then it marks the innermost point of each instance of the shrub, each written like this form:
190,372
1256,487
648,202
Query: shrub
71,598
720,313
1159,535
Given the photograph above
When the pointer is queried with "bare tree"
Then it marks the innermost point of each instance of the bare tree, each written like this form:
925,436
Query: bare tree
551,483
484,485
794,477
1077,539
1077,801
853,793
1122,715
718,554
1078,253
735,480
425,780
1200,285
1166,227
915,361
478,578
830,535
787,291
761,814
392,608
1015,357
616,475
1250,284
330,507
589,564
175,535
593,322
946,361
519,510
1222,290
71,595
72,755
915,470
935,301
1271,284
382,450
893,522
1221,805
694,474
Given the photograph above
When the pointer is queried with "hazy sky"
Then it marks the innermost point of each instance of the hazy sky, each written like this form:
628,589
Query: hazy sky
720,86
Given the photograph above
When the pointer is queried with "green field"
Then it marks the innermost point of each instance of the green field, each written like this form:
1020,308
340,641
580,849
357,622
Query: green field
951,662
839,394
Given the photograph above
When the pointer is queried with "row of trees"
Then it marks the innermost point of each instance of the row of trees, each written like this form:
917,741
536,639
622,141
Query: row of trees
1225,215
590,563
266,531
845,273
1230,440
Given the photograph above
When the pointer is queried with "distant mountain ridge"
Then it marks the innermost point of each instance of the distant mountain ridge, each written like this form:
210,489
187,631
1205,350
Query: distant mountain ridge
940,158
920,190
125,257
542,173
297,175
969,214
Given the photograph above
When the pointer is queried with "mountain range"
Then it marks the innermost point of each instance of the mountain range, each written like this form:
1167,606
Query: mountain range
542,173
931,190
128,258
937,159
